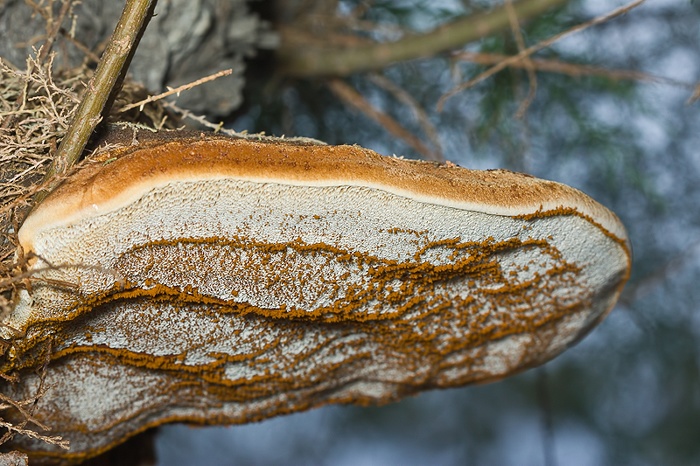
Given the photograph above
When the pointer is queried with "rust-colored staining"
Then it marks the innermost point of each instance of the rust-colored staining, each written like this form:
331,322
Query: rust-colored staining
221,281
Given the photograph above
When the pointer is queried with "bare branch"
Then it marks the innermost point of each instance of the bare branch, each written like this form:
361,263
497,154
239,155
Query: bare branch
177,90
572,69
319,59
536,48
54,30
408,100
353,98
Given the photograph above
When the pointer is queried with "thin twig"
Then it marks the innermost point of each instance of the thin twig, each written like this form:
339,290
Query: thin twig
696,95
177,90
80,46
353,98
527,62
536,48
53,440
26,408
88,114
408,100
53,33
217,127
571,69
65,33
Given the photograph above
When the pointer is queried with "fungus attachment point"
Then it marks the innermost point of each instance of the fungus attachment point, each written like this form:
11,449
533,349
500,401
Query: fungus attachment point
211,280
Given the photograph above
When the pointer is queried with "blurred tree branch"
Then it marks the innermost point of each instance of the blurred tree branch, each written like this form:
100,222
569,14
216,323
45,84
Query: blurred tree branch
575,70
355,100
525,53
305,56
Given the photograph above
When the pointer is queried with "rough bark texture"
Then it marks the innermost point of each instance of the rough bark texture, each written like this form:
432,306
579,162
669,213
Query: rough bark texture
187,39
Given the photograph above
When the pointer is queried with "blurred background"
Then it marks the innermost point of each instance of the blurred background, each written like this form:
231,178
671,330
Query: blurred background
609,110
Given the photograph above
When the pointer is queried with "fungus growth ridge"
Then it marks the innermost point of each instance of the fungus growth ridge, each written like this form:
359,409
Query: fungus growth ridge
211,280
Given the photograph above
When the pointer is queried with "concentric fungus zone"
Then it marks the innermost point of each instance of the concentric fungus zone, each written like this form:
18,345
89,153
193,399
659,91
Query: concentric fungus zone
213,281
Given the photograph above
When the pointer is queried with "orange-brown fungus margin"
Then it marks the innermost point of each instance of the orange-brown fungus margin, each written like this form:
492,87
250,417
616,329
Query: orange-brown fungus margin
220,281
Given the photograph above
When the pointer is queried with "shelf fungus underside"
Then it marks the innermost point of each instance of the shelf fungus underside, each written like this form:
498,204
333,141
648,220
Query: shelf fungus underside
222,281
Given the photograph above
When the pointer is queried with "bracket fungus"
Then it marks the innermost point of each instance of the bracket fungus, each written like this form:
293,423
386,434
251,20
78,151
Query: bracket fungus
211,280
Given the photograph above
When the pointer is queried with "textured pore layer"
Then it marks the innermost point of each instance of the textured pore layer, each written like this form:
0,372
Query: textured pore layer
219,281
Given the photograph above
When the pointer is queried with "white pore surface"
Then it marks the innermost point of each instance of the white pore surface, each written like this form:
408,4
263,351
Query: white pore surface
293,249
347,218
